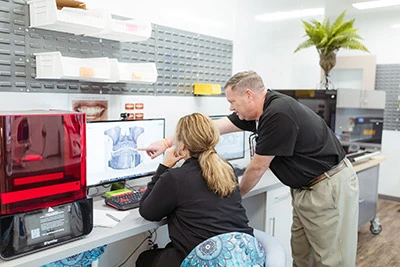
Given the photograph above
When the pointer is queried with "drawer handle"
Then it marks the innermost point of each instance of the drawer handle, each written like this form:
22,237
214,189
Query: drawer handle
361,201
272,226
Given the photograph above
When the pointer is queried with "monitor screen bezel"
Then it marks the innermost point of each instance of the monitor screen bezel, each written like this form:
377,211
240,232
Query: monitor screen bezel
213,117
124,178
330,96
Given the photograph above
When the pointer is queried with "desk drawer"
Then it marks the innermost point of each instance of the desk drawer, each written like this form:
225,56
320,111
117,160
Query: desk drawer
278,196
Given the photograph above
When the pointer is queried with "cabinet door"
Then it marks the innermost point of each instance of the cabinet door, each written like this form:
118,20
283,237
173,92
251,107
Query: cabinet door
279,218
348,98
368,184
373,99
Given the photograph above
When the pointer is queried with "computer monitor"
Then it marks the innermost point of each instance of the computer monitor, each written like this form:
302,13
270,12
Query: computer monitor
231,145
322,102
112,153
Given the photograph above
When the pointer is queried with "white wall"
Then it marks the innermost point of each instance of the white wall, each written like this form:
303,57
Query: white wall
389,175
27,101
215,18
267,47
384,42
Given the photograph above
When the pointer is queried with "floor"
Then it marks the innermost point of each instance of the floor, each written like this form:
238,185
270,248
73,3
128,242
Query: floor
381,250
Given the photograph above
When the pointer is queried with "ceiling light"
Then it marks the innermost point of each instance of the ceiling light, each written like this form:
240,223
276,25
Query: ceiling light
301,13
396,26
376,4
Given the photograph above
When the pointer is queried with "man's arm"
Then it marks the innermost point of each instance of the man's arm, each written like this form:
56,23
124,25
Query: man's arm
156,148
224,125
257,167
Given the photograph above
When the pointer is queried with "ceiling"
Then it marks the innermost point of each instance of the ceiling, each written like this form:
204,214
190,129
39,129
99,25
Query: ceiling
334,7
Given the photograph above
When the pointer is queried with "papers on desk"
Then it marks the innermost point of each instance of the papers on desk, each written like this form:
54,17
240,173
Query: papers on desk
108,218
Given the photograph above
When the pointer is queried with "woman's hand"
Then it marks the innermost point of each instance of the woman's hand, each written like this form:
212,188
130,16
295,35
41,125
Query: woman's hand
171,157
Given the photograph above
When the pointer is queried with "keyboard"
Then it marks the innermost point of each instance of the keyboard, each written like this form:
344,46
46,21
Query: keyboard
127,200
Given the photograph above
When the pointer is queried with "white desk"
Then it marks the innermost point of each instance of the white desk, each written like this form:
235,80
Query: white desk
132,225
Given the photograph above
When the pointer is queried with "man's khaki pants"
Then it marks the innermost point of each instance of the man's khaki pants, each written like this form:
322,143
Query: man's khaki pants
325,221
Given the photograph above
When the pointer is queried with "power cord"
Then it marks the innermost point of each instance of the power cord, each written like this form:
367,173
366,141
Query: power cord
151,242
129,187
141,243
95,194
134,188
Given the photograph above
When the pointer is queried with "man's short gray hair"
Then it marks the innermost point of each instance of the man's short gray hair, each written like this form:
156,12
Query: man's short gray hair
245,79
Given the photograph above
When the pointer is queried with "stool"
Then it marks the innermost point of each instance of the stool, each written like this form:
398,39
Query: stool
275,254
79,260
230,249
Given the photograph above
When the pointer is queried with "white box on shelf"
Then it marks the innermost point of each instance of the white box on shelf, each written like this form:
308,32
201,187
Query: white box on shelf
45,15
52,65
137,72
124,30
114,70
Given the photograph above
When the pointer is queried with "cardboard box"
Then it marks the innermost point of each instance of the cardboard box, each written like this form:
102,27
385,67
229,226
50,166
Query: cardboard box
70,3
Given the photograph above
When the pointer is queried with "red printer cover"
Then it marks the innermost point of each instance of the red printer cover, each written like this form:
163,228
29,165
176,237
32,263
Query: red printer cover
42,159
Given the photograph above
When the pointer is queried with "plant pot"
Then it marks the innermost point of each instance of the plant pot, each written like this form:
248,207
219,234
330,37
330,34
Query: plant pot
326,83
327,61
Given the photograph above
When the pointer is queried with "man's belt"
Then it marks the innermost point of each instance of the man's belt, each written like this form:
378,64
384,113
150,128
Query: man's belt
335,169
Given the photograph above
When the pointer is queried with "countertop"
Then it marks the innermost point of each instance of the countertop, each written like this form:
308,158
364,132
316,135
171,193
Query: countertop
134,224
373,161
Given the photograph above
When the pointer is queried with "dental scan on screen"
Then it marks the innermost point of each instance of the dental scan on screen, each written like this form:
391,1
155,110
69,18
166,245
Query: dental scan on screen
112,153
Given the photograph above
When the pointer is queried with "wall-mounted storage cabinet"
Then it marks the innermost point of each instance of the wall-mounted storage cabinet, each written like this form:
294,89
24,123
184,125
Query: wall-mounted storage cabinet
182,58
368,99
52,65
94,23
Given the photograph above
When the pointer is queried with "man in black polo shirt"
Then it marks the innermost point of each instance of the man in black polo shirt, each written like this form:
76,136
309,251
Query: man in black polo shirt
303,153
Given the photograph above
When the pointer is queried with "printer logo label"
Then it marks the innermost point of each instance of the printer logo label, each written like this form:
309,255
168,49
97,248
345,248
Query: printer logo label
50,242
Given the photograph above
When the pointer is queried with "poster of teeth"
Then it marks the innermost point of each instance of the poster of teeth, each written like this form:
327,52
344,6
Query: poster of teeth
96,108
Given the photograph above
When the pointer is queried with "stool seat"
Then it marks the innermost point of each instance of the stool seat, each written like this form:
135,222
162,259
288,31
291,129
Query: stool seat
230,249
275,253
79,260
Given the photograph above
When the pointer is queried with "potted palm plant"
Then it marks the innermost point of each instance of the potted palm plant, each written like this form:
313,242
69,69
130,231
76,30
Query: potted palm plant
328,39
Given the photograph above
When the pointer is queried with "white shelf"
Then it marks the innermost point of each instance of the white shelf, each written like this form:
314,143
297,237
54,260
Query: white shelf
52,65
94,23
124,30
45,15
137,72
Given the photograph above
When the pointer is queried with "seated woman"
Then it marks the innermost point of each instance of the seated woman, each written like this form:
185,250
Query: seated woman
200,199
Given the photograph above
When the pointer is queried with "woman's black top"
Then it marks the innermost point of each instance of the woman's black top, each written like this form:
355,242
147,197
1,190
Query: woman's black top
194,212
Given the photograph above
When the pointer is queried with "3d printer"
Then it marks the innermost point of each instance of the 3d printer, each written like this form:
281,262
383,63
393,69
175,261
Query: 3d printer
43,198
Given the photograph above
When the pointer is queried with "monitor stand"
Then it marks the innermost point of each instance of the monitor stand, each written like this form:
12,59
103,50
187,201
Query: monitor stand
118,185
117,188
